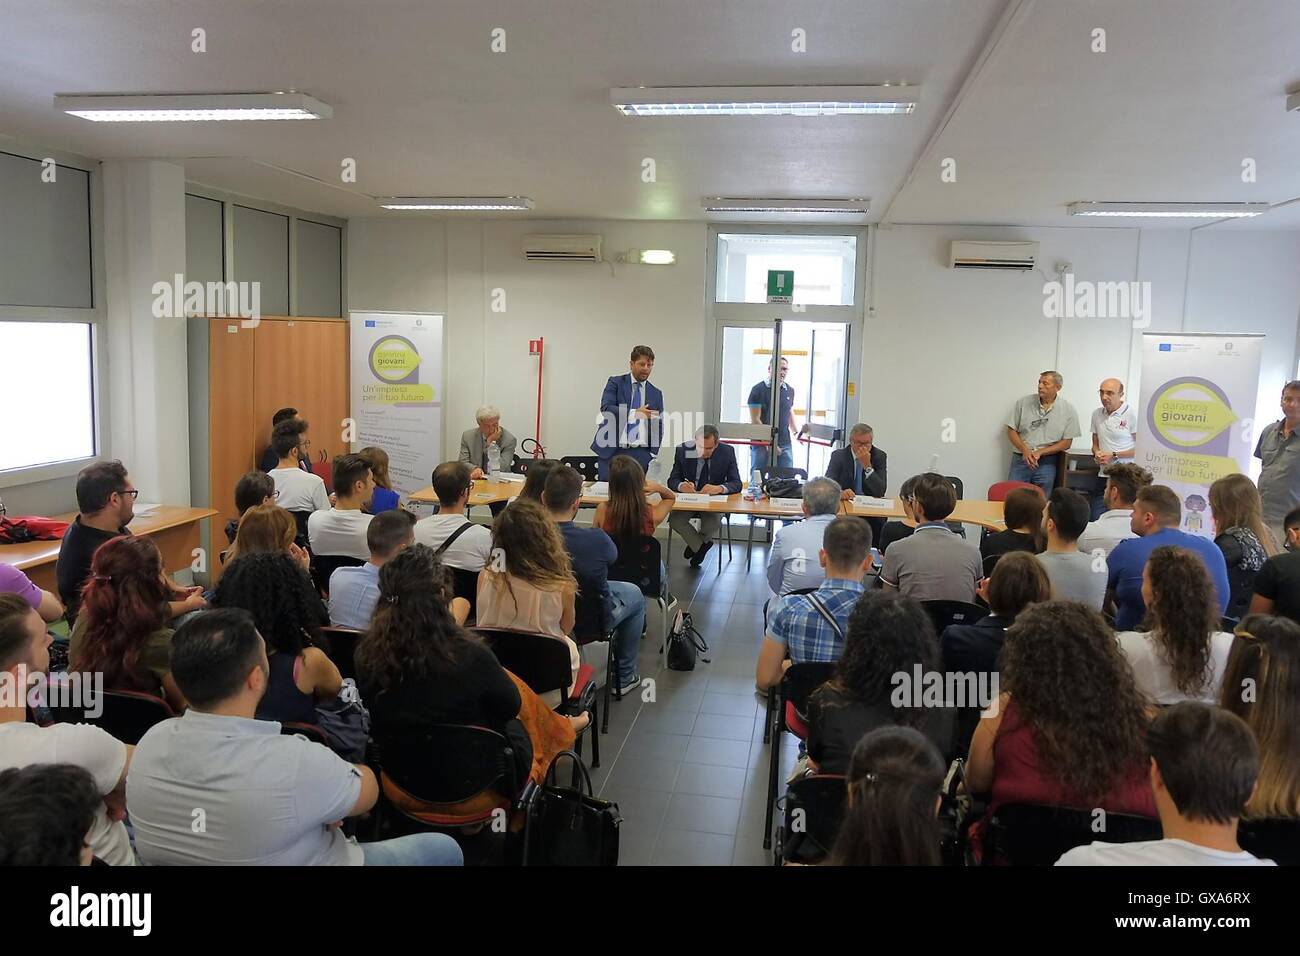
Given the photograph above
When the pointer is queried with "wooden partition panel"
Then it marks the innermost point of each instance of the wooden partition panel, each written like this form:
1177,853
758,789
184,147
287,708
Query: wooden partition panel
232,446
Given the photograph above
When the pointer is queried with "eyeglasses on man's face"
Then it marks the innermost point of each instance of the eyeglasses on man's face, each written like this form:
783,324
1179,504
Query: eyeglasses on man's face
133,493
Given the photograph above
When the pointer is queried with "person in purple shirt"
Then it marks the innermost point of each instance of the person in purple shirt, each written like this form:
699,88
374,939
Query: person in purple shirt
14,581
1156,516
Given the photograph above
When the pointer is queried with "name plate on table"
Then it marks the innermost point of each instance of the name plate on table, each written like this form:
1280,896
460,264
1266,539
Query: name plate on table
866,501
484,496
693,499
786,504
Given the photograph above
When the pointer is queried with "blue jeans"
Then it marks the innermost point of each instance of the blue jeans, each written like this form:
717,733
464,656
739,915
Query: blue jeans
1044,476
759,456
627,614
416,849
1096,501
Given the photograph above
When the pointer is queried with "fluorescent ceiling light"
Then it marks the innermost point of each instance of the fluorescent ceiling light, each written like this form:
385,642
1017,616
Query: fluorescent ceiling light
1170,210
191,107
849,207
763,100
458,203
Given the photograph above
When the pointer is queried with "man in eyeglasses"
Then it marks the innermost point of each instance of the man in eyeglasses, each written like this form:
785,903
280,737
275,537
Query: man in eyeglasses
1040,427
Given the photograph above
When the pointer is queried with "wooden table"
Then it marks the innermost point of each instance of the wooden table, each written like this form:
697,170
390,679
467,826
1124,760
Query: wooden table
174,528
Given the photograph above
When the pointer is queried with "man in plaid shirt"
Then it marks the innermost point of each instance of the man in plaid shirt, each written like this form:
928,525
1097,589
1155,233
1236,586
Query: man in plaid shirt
810,627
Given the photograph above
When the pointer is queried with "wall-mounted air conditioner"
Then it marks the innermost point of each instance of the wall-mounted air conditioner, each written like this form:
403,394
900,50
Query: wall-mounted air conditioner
991,254
562,248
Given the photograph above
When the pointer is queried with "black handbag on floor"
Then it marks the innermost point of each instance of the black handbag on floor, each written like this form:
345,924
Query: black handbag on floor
684,642
570,826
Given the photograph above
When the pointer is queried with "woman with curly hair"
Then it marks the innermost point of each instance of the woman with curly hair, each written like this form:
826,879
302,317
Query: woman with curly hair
1242,536
888,634
122,629
289,614
1181,653
1069,727
417,667
528,585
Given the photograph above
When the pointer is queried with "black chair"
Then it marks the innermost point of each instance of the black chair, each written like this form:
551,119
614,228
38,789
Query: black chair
126,714
989,563
814,810
586,465
1273,839
1031,834
323,565
464,584
543,664
786,704
312,732
300,519
944,613
340,647
589,628
956,526
639,563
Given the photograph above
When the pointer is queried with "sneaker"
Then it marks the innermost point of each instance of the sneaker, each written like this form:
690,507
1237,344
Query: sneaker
632,684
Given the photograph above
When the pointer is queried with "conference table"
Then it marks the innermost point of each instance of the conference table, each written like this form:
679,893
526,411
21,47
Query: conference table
174,528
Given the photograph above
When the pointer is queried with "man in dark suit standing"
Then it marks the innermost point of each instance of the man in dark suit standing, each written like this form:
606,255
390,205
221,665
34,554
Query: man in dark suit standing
630,410
704,466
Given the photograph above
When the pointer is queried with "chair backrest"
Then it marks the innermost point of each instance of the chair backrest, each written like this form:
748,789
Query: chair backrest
520,465
323,565
999,489
586,465
312,732
956,485
814,810
989,563
639,563
1031,834
944,613
464,584
448,763
340,647
126,714
1277,840
589,616
782,471
801,680
300,519
539,660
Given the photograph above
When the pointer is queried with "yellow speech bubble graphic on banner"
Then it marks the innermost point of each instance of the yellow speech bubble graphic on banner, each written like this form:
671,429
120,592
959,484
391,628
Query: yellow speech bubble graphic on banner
393,359
1193,417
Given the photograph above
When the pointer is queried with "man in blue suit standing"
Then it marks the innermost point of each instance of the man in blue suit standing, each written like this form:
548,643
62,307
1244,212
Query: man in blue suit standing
704,466
630,414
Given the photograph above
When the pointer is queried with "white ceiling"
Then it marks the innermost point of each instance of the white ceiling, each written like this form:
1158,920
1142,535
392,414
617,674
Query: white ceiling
1187,89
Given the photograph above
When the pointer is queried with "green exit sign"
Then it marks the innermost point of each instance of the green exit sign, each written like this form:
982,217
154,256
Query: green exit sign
780,286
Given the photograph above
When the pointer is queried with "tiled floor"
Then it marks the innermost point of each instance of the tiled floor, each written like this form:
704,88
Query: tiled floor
685,759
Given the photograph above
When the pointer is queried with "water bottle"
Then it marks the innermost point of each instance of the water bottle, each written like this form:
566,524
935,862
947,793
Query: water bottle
755,490
494,459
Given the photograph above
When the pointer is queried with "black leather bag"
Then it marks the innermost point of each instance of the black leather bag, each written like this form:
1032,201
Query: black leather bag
684,642
783,488
570,826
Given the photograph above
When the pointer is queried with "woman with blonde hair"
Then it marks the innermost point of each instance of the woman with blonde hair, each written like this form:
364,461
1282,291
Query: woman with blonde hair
385,497
1242,536
267,529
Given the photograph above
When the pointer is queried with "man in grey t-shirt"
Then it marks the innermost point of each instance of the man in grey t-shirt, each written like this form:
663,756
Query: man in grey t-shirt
1279,449
933,564
1075,576
1039,428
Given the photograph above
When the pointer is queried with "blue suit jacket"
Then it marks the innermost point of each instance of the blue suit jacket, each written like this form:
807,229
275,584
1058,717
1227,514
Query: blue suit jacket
722,467
615,404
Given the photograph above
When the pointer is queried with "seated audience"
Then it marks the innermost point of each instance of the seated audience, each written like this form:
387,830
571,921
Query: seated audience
417,668
270,459
704,466
268,529
1069,726
1182,653
812,627
14,581
1017,582
288,613
1123,482
593,553
342,529
253,489
123,629
934,564
24,653
1204,763
106,505
529,584
627,514
539,470
1156,516
354,591
1277,586
790,564
1023,515
1261,685
901,527
268,798
1075,575
297,490
895,783
385,496
1242,536
458,542
48,815
887,635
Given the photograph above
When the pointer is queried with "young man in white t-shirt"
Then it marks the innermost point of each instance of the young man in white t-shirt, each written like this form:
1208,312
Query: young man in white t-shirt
472,548
1204,763
24,653
342,529
1114,436
295,490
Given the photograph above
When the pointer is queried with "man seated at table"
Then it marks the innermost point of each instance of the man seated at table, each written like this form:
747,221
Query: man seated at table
458,542
859,469
791,564
811,627
704,466
476,445
934,564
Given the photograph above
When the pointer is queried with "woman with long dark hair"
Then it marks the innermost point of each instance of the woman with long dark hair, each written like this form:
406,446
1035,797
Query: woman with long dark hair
535,478
289,614
895,781
122,630
1242,536
627,514
385,497
1182,652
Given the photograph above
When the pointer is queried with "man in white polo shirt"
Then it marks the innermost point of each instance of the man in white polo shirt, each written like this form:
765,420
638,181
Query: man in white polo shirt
471,548
342,529
295,490
1114,435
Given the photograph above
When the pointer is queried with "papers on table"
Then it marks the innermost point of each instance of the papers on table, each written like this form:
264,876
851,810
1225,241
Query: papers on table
504,476
597,489
866,501
786,504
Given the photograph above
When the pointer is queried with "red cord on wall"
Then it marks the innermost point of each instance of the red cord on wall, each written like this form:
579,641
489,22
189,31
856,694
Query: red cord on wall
536,347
